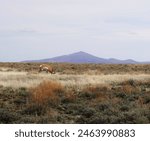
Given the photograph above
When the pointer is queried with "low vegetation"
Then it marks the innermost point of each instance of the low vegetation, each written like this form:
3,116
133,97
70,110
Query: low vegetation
95,95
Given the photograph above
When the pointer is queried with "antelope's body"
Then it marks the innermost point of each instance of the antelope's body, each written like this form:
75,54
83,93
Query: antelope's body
46,68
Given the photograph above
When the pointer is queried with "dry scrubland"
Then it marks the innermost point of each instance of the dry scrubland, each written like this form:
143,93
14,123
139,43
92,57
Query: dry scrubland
77,93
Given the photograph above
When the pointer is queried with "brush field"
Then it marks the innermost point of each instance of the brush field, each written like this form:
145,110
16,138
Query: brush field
77,93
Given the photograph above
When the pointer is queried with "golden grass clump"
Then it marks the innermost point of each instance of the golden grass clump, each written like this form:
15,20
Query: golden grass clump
46,92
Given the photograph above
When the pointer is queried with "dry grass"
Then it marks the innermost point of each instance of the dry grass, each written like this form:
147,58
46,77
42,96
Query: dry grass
45,92
75,94
24,79
42,97
91,69
18,79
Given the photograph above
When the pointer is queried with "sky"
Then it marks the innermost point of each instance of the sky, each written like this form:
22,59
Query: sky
38,29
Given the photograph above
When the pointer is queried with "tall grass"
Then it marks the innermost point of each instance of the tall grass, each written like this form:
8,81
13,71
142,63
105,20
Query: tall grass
24,79
46,92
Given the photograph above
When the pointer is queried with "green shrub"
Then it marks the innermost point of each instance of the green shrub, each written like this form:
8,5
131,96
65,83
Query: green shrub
35,109
7,116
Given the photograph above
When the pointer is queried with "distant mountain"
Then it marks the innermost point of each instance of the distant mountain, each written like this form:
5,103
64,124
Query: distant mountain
78,57
82,57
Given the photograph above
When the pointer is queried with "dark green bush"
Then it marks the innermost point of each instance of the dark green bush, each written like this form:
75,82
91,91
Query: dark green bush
35,109
7,116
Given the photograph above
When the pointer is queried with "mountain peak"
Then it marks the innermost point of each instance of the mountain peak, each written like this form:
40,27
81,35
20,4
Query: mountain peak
83,57
80,53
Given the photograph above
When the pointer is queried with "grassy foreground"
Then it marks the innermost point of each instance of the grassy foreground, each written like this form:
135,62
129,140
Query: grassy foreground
84,93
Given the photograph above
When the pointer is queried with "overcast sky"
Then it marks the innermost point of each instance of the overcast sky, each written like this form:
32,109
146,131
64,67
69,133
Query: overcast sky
37,29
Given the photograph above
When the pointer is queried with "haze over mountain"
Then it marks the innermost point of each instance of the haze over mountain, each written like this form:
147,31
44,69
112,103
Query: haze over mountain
83,57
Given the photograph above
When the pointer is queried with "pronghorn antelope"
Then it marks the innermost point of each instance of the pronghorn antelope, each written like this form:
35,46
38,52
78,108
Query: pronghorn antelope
46,68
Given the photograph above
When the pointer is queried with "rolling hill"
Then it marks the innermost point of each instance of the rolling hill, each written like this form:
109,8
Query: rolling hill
83,57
